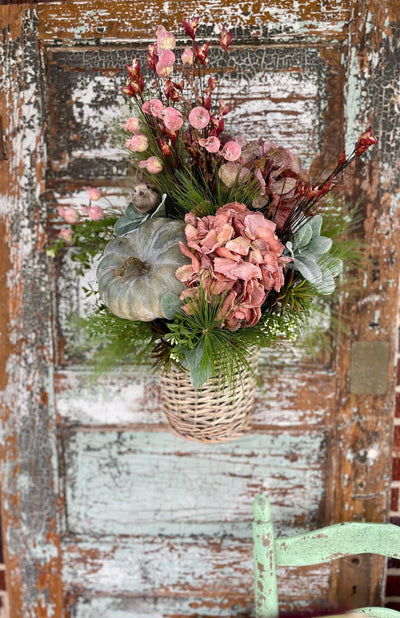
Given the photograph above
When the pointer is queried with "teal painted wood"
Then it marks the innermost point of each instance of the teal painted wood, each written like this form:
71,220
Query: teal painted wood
337,541
265,585
378,612
321,545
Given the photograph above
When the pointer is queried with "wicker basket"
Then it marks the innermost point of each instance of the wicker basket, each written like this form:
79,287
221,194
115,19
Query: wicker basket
218,412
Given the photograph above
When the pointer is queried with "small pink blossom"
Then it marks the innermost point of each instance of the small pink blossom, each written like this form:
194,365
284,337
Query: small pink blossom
132,124
199,117
188,56
165,39
172,119
164,66
95,213
231,151
154,107
71,215
66,234
211,144
137,143
94,195
152,164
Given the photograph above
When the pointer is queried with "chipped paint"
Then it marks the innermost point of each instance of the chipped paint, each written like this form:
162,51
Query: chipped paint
134,482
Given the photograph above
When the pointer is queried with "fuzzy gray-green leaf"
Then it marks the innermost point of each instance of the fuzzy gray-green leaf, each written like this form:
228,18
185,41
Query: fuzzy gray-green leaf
308,267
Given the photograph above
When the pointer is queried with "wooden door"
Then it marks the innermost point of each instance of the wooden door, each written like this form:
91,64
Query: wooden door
105,513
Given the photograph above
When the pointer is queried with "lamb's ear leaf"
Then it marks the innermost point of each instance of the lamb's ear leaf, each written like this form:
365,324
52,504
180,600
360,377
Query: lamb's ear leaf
316,225
302,237
318,246
308,268
129,221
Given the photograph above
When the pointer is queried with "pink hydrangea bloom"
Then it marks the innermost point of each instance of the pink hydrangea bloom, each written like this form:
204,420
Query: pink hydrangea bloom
231,151
211,144
164,66
172,119
137,143
165,39
66,234
152,164
154,107
236,252
94,195
132,124
188,56
95,213
199,117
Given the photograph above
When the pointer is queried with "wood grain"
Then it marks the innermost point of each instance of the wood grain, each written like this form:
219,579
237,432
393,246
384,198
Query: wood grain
81,22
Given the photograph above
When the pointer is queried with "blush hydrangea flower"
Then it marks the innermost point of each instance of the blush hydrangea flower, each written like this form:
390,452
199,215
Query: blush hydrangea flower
236,252
199,117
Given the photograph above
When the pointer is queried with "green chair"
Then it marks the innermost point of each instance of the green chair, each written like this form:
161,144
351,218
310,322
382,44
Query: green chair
313,548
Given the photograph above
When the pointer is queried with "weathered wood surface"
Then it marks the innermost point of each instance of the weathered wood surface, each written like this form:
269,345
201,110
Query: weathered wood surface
289,397
133,21
360,480
135,482
169,566
111,439
29,480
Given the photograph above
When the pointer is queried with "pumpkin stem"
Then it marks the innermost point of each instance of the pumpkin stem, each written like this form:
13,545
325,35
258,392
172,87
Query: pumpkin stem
131,267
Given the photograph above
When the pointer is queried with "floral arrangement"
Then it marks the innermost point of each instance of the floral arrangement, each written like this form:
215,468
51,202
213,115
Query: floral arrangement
224,244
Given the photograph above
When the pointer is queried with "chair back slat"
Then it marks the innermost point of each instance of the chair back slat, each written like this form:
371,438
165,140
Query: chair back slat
337,541
314,547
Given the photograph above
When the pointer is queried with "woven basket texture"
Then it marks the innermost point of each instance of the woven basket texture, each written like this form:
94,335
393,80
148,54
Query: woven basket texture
218,412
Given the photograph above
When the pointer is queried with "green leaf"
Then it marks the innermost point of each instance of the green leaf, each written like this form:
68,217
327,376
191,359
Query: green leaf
129,221
316,225
308,268
302,237
318,246
200,371
170,305
160,210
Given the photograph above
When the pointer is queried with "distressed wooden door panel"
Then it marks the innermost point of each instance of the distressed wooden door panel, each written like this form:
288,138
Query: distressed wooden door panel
105,512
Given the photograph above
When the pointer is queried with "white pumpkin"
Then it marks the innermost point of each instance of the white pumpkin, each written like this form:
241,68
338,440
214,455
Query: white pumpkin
137,269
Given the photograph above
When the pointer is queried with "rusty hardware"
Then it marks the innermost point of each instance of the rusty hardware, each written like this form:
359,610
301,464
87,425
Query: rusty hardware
3,145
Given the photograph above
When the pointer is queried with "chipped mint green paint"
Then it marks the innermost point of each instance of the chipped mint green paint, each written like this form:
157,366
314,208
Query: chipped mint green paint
314,547
138,482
